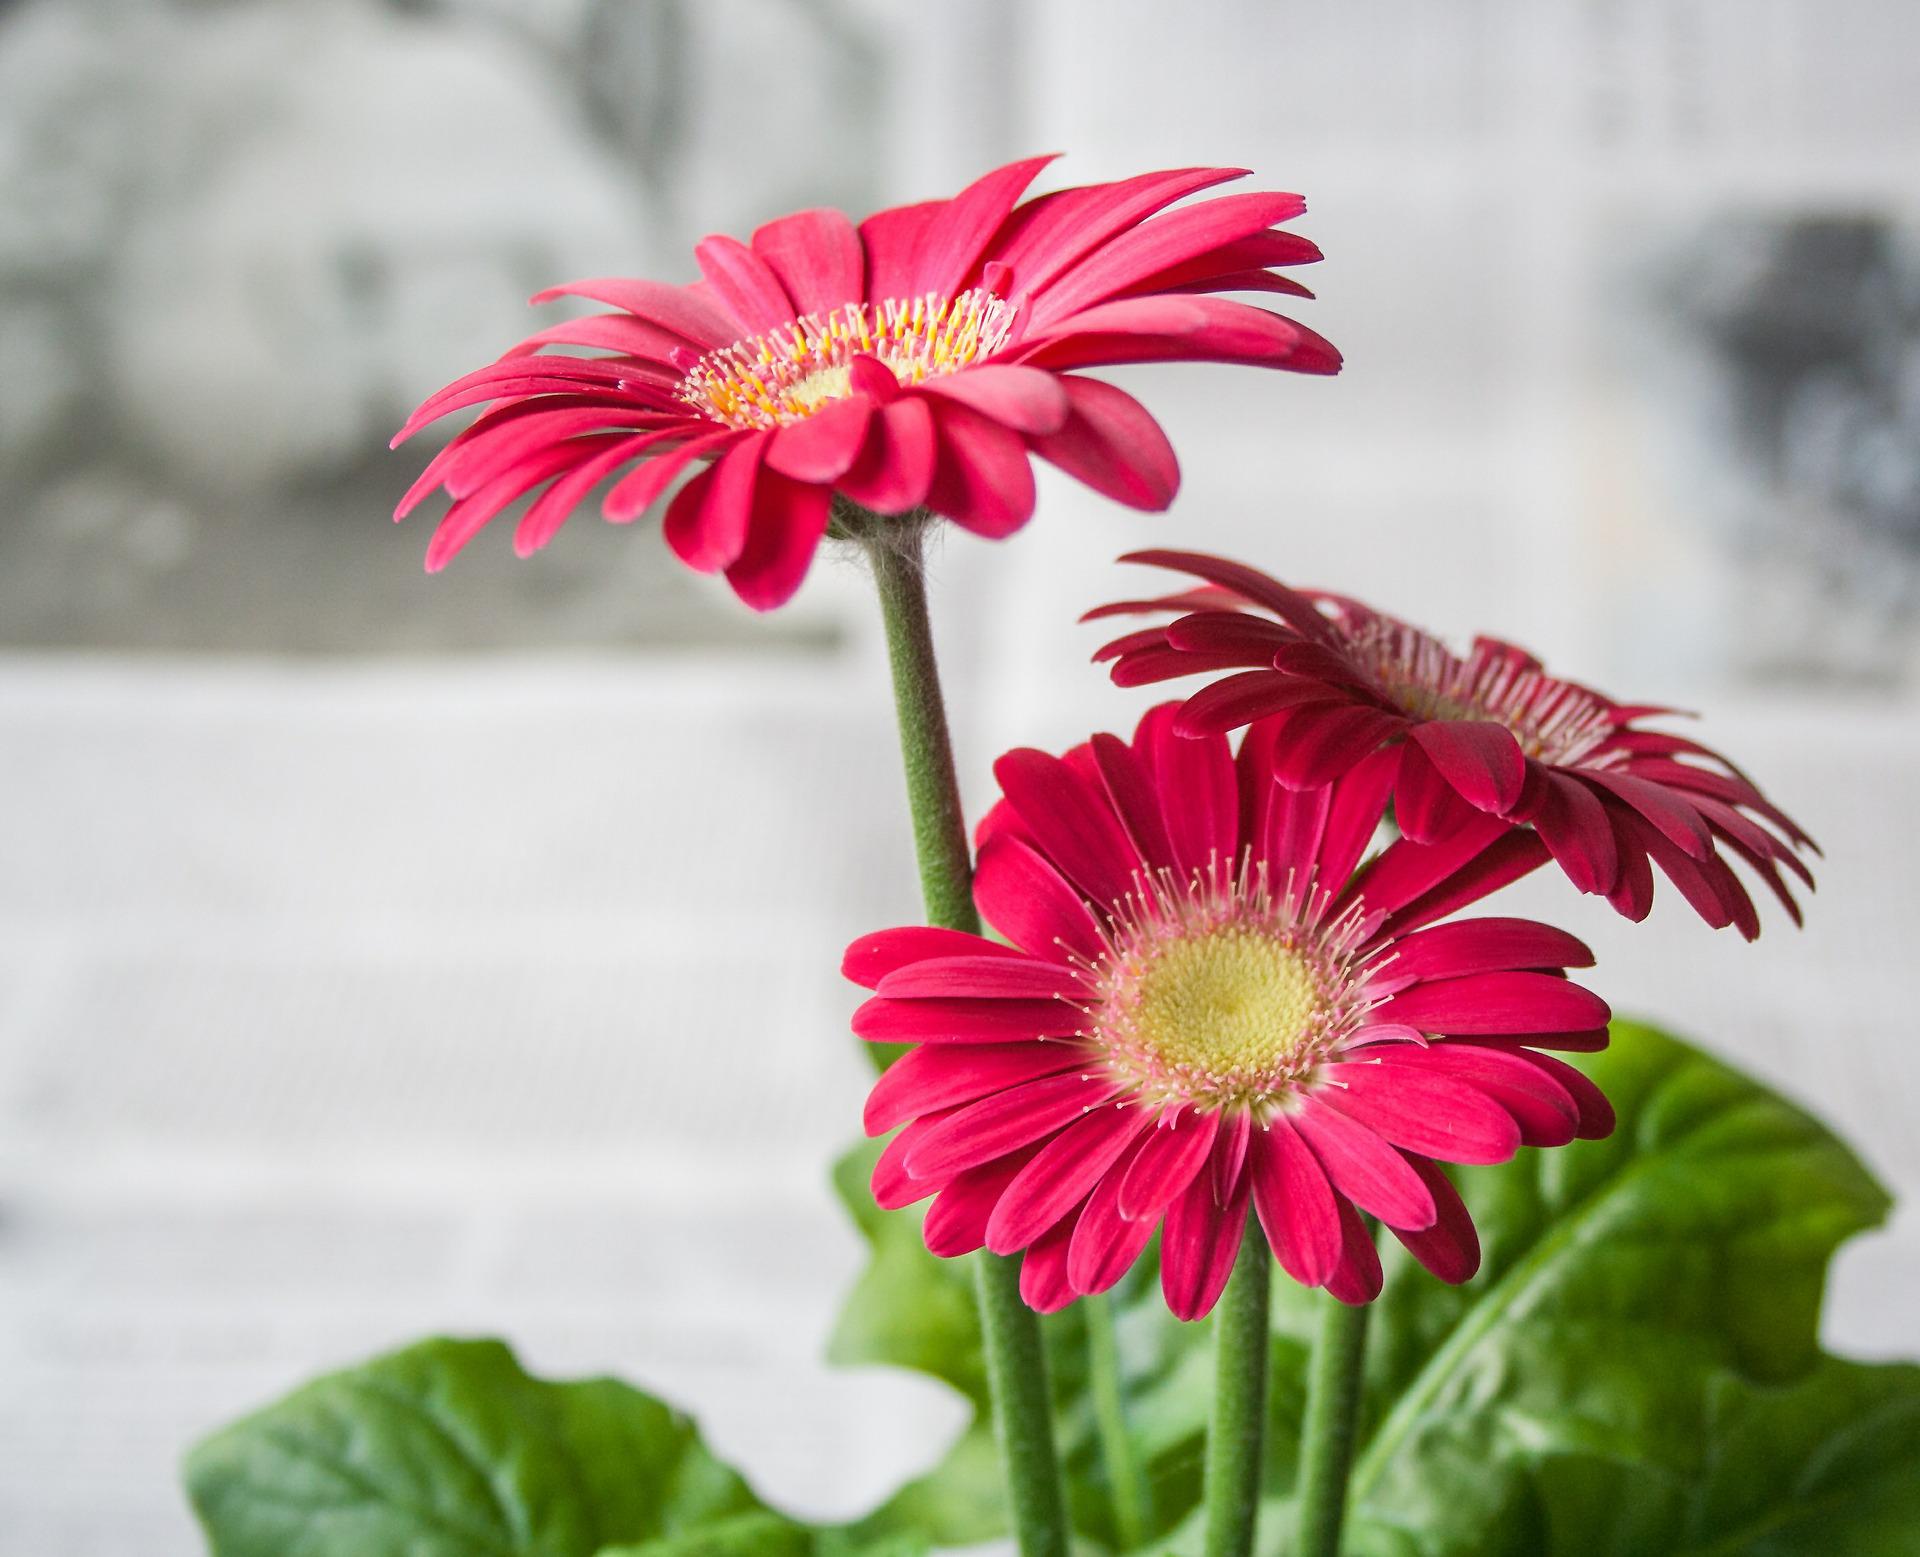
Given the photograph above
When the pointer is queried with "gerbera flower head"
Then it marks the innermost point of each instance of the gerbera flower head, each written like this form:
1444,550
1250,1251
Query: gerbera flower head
1210,1003
914,361
1477,743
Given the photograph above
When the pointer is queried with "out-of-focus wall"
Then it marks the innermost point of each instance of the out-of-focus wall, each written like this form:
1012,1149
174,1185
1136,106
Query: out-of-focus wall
388,954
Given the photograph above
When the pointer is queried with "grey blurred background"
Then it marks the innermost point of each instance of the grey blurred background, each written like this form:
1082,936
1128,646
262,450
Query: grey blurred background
383,954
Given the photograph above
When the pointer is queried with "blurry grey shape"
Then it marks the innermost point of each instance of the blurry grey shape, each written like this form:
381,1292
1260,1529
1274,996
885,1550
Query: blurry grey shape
1811,326
244,239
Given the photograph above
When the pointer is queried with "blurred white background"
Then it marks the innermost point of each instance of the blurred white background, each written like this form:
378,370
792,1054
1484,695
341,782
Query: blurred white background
382,955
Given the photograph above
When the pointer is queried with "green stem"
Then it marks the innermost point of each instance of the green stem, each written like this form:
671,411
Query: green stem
1326,1434
1116,1448
926,750
1010,1331
1236,1438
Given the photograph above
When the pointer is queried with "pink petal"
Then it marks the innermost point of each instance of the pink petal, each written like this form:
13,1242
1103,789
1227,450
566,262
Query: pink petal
891,238
895,471
1676,820
1130,788
1359,802
1596,1113
965,1021
892,1186
504,444
1427,807
1405,871
823,447
1004,1122
1573,824
934,1077
816,257
1357,1280
787,523
465,518
983,978
1199,793
1180,329
609,332
1363,1167
872,957
1071,821
1423,1111
1110,443
1105,1244
982,479
745,283
957,234
1239,699
1160,244
1230,1146
871,377
673,308
1025,400
1063,1173
1295,609
556,505
1198,1244
1243,260
1501,863
1252,640
708,532
1065,226
1171,1156
1296,1205
1543,1109
1478,758
1044,1286
956,1222
1024,897
633,494
1497,1003
1282,826
1324,741
1491,945
1450,1248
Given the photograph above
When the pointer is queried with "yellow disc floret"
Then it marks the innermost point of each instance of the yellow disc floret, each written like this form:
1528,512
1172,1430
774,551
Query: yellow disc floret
1230,1002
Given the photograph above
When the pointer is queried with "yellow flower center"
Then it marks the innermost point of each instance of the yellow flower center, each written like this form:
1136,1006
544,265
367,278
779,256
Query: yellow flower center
1233,1004
787,374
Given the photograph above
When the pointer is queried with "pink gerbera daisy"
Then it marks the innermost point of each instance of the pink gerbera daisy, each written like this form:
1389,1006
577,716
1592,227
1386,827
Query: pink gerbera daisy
913,361
1210,1002
1476,743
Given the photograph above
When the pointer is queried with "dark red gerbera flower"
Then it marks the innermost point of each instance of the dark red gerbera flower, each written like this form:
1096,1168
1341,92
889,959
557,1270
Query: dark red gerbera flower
915,360
1478,743
1211,1003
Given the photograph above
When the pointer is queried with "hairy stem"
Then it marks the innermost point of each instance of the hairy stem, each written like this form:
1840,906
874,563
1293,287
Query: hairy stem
1326,1434
1010,1331
1129,1487
1236,1438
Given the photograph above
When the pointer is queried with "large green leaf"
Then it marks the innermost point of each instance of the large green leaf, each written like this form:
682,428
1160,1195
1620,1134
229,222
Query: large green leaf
1645,1318
450,1449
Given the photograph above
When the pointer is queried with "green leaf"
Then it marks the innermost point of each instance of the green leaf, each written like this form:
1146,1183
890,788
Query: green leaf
1636,1368
450,1449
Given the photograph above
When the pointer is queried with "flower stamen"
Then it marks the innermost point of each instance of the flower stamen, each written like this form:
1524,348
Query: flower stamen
1220,992
1554,721
786,375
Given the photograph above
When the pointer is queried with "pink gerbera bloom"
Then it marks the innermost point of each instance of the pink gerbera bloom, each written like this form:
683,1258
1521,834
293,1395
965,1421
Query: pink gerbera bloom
1475,743
1211,1003
915,360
